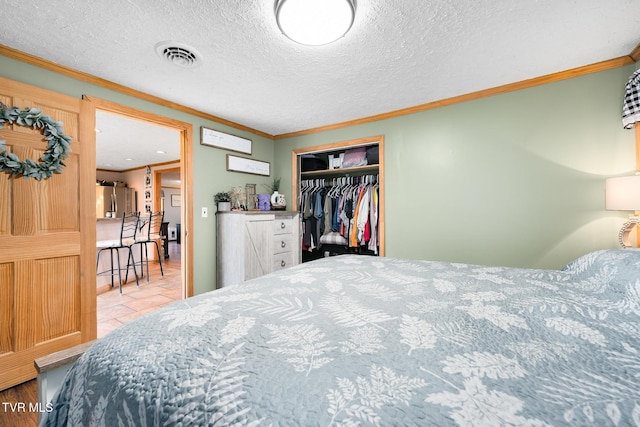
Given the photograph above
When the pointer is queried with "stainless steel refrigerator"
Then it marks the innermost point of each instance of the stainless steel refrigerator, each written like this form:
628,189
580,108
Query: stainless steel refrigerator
112,202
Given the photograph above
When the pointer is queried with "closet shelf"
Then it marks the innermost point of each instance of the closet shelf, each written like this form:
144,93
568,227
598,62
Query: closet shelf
356,170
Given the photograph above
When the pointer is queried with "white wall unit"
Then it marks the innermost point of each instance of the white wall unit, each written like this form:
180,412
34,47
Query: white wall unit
251,244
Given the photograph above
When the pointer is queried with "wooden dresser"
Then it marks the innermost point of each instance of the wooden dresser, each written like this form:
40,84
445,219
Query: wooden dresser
254,243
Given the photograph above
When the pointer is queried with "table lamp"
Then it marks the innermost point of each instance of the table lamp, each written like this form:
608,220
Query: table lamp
623,194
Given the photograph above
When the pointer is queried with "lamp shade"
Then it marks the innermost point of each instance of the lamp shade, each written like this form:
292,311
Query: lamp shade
314,22
623,193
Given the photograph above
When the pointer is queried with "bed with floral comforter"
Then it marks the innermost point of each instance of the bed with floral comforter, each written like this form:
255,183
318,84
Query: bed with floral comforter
355,340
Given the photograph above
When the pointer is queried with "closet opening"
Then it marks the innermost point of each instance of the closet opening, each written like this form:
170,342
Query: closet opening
338,189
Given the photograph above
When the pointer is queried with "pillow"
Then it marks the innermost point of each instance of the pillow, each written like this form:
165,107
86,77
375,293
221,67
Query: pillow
615,269
629,259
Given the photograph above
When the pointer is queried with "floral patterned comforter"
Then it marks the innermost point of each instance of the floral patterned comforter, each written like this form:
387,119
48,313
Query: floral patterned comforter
355,340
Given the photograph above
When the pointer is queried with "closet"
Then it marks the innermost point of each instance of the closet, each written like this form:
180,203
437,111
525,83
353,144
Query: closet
338,189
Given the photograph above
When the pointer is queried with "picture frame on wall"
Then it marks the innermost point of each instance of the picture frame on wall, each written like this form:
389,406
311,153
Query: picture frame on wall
176,200
227,141
246,165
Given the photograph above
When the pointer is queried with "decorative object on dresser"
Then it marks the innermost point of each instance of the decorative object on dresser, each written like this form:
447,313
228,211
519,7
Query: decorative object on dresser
623,194
223,200
264,203
252,200
252,244
277,200
238,198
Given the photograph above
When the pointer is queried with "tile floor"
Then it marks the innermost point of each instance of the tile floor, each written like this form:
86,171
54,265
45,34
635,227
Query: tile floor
114,309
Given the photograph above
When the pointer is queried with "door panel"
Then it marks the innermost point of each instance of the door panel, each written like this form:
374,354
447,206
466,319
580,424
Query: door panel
258,235
47,238
6,302
58,280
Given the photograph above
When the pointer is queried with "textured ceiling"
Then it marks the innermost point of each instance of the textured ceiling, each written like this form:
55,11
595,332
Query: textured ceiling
123,143
398,54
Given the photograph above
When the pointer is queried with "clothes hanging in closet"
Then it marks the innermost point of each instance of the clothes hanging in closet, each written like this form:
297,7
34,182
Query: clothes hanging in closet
341,211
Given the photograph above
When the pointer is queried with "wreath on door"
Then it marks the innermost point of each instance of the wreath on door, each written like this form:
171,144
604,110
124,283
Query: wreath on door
57,147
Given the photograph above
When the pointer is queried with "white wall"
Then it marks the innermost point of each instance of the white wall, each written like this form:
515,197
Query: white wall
171,213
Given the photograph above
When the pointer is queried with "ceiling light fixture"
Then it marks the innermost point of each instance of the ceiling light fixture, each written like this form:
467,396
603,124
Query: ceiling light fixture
315,22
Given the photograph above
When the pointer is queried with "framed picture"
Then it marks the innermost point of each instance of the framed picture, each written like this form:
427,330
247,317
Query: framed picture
215,138
245,165
176,200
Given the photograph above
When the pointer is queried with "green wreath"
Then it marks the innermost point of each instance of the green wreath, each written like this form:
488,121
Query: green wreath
57,147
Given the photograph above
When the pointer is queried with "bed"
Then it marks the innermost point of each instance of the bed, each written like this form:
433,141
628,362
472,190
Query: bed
357,340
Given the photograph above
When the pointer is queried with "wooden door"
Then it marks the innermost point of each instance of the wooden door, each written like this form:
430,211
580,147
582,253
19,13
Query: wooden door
47,238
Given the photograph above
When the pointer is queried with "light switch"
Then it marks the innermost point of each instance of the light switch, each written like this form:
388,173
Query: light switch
205,212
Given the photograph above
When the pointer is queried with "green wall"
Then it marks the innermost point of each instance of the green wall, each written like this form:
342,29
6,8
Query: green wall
515,179
209,164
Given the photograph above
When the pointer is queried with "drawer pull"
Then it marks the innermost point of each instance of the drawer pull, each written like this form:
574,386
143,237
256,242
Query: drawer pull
282,225
282,263
283,244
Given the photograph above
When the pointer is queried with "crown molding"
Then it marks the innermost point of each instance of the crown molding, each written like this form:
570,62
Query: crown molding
549,78
79,75
633,57
635,54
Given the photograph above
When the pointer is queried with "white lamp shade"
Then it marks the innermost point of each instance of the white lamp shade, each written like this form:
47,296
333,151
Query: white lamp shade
314,22
623,193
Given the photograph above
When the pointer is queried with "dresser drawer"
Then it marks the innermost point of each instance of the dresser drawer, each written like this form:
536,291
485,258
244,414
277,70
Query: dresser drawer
283,225
282,243
282,261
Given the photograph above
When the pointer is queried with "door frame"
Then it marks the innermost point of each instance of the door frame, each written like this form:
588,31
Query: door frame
186,177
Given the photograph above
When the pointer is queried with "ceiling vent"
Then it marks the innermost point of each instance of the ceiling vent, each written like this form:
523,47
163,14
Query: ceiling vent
179,54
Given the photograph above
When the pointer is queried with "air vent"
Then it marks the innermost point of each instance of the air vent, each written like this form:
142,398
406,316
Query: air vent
179,54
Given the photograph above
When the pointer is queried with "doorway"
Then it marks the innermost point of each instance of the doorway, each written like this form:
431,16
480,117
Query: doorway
184,272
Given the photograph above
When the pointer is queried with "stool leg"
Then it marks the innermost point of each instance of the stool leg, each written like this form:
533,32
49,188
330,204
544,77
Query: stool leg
111,259
119,269
133,263
146,259
142,262
159,257
126,273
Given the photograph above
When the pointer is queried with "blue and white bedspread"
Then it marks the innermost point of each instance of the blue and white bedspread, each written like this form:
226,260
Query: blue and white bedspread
355,340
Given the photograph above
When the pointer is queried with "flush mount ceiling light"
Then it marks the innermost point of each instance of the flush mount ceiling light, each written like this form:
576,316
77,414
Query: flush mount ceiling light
315,22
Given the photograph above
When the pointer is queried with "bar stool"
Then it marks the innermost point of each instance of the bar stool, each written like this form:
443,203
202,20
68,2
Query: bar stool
149,231
127,239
